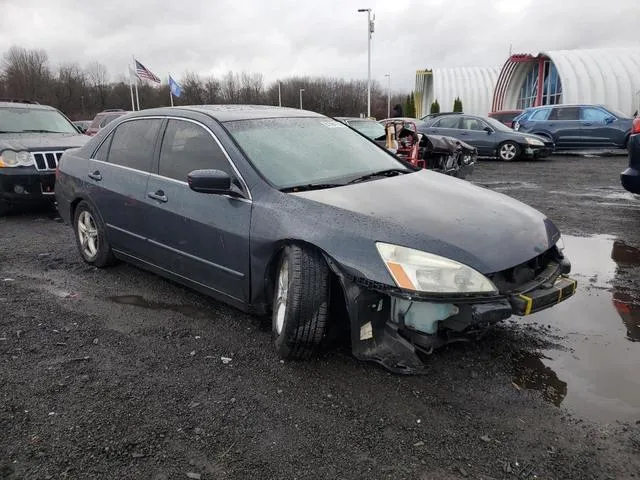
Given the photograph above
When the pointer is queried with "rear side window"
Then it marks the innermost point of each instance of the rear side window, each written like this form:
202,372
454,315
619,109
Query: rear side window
133,143
539,115
186,147
103,152
593,114
566,113
447,122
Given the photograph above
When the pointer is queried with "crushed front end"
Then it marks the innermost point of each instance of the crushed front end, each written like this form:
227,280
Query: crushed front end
395,327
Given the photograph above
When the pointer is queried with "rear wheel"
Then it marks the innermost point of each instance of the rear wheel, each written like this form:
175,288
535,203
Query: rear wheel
301,302
91,237
508,151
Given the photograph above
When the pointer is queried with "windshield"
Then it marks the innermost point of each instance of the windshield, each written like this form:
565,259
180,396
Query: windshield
369,128
17,120
497,125
303,151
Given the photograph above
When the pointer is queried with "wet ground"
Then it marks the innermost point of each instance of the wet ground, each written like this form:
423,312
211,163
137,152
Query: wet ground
117,373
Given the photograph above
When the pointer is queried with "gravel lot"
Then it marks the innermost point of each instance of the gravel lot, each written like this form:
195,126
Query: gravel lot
118,373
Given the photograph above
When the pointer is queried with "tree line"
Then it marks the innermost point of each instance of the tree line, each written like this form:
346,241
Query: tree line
83,91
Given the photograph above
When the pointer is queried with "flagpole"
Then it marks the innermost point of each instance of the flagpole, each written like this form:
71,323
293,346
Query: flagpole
133,107
170,94
137,78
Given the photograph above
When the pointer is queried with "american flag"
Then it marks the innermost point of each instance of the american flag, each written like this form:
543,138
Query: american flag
144,72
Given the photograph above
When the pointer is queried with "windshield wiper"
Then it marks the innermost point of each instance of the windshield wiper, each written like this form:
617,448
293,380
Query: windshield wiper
390,172
40,131
310,186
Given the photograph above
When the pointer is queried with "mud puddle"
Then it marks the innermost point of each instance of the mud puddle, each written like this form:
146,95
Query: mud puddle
597,376
138,301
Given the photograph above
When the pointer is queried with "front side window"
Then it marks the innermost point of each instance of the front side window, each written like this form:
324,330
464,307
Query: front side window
469,123
593,114
186,147
447,122
133,143
35,120
302,151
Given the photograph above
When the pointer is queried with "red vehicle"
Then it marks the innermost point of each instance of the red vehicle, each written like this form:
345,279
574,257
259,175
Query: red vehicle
102,119
505,116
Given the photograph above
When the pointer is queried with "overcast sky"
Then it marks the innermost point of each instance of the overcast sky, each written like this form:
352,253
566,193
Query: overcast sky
295,37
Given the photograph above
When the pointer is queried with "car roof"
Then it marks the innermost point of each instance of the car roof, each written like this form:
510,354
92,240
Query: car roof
30,106
505,111
357,118
230,113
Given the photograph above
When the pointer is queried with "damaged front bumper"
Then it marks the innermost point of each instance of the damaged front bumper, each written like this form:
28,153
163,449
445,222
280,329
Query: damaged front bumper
394,327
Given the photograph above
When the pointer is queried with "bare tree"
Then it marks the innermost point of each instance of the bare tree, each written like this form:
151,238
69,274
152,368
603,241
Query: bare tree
26,73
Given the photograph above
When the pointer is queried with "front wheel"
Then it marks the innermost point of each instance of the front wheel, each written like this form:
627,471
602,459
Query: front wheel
301,302
508,151
91,237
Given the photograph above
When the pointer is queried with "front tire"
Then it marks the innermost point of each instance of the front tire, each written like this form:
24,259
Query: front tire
508,151
301,302
91,237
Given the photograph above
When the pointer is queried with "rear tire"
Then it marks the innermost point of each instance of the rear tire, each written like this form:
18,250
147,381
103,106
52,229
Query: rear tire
300,303
508,151
91,239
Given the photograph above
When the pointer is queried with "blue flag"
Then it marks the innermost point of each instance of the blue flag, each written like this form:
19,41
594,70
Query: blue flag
176,90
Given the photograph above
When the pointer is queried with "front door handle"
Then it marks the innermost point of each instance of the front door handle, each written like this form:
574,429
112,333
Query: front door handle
587,124
95,176
158,195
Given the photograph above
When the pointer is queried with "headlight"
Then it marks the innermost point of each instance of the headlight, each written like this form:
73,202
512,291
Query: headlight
11,158
560,245
534,141
424,272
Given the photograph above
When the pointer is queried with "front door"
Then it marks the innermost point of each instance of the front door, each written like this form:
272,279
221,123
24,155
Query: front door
201,237
473,131
598,129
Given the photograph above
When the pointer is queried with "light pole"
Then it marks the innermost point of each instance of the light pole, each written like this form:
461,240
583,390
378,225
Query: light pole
369,32
279,94
388,75
301,90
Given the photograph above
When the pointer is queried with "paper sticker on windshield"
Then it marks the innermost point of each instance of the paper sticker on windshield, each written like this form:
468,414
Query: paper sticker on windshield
333,124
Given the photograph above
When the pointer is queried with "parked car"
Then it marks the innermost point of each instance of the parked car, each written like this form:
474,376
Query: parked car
506,116
439,114
572,127
82,125
631,176
258,206
32,139
102,119
366,126
443,154
490,137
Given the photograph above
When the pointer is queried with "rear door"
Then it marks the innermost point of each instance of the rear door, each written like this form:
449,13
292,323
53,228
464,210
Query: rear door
597,128
200,237
118,174
564,125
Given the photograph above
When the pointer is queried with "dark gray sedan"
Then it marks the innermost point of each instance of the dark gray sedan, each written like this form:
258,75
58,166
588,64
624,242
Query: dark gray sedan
491,137
289,213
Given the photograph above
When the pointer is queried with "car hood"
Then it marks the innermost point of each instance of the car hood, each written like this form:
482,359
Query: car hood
41,141
443,215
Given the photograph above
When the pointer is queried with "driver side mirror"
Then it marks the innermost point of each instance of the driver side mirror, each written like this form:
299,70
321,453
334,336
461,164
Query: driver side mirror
211,181
489,130
609,120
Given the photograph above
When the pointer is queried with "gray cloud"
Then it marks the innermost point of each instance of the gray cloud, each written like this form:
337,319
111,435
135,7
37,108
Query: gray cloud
290,37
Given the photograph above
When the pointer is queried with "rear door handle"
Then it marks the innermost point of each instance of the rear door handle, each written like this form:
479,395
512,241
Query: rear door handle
158,195
95,176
